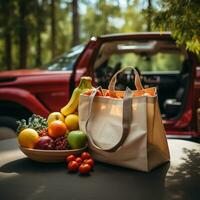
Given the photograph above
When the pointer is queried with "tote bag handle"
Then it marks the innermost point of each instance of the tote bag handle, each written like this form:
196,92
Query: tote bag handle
138,83
126,119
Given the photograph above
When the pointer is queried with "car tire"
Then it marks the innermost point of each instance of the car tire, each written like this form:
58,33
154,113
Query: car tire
10,112
8,122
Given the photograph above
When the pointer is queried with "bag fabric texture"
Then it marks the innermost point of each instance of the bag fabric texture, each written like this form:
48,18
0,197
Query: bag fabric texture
126,131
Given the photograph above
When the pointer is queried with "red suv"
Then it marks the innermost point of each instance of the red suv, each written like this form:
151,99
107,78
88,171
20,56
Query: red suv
173,70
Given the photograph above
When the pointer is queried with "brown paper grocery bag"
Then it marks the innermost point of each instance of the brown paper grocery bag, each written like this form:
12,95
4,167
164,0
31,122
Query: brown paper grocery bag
127,132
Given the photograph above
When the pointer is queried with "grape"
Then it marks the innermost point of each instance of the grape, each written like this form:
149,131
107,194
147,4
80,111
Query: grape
43,132
61,143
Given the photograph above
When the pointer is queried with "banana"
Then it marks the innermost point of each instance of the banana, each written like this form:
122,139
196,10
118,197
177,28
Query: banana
72,105
73,102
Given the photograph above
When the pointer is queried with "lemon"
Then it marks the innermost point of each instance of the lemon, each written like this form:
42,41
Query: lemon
28,138
71,122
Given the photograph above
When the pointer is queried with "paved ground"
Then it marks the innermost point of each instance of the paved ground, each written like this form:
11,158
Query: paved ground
6,133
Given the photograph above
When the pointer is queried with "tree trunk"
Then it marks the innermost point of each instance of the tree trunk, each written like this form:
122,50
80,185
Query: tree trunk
53,29
8,50
149,16
39,16
23,35
7,35
38,49
75,23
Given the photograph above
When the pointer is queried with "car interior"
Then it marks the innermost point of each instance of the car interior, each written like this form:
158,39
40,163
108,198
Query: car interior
161,64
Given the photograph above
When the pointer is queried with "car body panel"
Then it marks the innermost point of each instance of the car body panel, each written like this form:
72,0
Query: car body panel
25,98
48,88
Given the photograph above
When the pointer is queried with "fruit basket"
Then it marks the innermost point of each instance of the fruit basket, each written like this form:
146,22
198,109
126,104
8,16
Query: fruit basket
50,156
40,142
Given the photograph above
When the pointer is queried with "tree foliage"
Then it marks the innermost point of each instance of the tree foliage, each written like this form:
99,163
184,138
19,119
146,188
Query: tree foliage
31,31
98,19
183,19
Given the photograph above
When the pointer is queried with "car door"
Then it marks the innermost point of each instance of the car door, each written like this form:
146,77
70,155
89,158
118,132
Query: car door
84,64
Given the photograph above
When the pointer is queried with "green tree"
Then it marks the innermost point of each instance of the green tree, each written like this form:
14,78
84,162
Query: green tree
53,29
133,20
149,16
6,23
40,19
32,32
99,18
23,33
183,19
75,22
64,26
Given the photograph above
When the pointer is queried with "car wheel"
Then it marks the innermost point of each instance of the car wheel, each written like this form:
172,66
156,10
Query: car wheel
10,112
8,122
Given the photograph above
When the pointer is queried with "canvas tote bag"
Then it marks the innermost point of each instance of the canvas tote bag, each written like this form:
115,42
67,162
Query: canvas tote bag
127,132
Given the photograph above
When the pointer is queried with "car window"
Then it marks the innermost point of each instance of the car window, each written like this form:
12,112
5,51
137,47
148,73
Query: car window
66,61
157,62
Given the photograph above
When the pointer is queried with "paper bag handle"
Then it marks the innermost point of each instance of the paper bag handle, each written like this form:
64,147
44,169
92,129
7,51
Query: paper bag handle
138,83
126,119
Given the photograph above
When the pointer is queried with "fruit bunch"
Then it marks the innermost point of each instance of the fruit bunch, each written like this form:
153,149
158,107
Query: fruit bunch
84,85
53,133
84,164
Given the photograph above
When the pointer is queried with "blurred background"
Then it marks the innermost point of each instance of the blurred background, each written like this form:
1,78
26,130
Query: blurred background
33,32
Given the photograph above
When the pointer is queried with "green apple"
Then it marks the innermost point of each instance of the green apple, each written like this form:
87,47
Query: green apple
77,139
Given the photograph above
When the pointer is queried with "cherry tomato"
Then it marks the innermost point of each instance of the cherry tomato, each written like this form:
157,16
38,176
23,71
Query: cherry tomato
70,158
85,155
84,168
73,166
89,161
79,160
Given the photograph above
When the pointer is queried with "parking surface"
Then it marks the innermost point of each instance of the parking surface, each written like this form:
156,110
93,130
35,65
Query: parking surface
6,133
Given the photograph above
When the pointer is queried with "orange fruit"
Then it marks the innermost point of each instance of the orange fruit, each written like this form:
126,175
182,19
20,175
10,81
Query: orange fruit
71,122
28,138
57,128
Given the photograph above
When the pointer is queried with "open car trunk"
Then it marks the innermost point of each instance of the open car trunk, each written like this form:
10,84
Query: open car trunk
160,63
